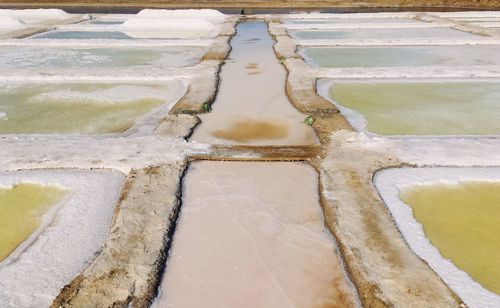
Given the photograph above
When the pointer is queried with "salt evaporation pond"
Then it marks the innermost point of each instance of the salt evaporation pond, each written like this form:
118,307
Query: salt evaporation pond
251,105
441,107
82,107
380,33
98,57
22,208
402,56
64,217
252,235
449,217
462,221
353,20
82,35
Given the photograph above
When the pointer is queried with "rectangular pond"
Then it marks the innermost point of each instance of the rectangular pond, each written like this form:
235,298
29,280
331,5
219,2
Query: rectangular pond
251,106
416,107
52,225
83,107
402,56
252,235
347,20
33,57
449,217
380,33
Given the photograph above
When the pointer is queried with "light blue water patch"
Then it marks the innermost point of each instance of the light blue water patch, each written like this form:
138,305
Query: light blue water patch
389,33
107,22
82,35
402,56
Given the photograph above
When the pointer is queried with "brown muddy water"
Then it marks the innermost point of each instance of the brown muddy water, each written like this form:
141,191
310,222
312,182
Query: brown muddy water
252,235
251,106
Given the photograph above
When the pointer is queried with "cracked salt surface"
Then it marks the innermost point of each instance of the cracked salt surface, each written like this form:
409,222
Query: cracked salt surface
390,182
61,251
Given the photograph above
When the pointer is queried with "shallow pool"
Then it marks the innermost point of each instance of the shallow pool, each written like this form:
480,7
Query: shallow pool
82,35
80,108
402,56
347,20
379,33
22,208
257,240
419,107
251,105
462,221
98,57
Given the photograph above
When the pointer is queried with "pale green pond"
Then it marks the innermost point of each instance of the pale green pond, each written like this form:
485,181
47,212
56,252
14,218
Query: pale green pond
98,57
421,108
462,221
82,108
402,56
379,33
347,20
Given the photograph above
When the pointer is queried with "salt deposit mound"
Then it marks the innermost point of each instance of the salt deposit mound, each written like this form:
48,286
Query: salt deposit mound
35,15
169,28
10,23
212,16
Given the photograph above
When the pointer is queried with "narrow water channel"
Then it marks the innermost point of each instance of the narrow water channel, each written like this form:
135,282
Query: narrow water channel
252,235
251,106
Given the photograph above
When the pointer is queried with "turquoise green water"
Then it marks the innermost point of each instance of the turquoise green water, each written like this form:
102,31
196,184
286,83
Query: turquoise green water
423,108
75,108
406,33
402,56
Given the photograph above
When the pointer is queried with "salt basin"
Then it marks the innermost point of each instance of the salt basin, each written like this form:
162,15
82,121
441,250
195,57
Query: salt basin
380,33
451,222
402,56
461,220
252,235
251,106
137,27
413,107
24,208
85,107
65,247
36,57
351,20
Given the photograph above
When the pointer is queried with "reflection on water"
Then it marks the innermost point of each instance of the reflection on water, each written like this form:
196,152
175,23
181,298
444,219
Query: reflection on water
463,222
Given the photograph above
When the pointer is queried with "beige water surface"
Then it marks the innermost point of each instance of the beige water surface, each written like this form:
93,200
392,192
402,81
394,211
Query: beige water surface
251,106
252,235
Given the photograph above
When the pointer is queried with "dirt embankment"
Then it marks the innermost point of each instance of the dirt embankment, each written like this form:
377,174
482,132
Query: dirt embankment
421,4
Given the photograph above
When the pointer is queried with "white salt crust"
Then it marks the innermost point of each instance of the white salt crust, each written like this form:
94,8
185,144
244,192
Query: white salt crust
69,243
390,182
